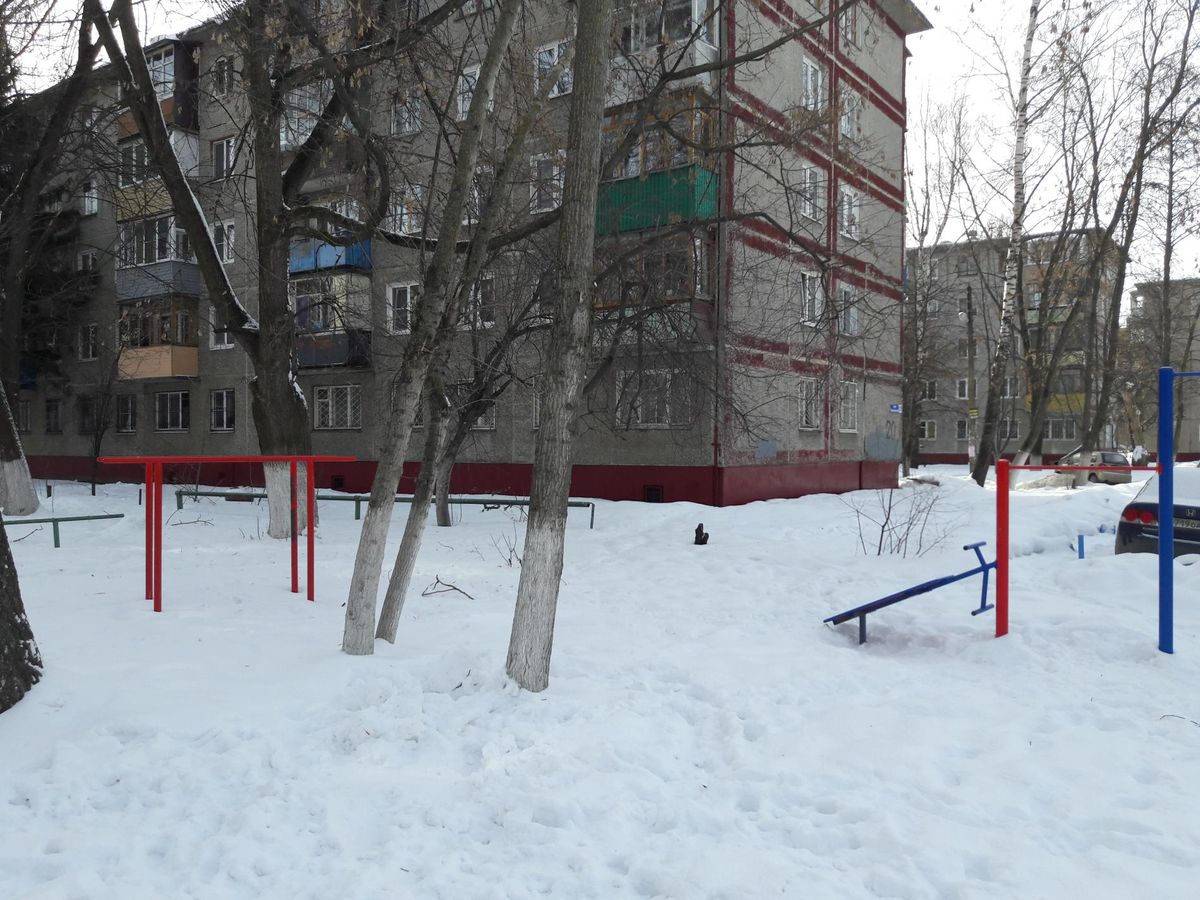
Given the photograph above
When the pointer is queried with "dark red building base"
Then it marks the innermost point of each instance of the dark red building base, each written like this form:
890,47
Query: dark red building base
714,486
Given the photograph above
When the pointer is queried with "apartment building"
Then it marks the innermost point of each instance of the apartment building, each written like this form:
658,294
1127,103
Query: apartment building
770,368
957,289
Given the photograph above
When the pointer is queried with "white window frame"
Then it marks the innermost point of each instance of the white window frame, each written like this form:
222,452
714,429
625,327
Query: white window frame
962,430
848,407
812,192
215,331
326,400
848,318
848,26
464,90
1009,429
126,413
228,154
812,85
929,389
808,394
162,71
222,76
407,110
138,167
962,389
632,410
927,430
555,182
87,261
487,420
181,400
89,197
1012,387
89,342
545,58
228,410
411,289
473,314
224,236
812,298
132,244
407,213
849,213
850,120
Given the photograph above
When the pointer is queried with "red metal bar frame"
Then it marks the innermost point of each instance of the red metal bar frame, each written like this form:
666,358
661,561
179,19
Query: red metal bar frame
153,469
1003,470
311,510
295,539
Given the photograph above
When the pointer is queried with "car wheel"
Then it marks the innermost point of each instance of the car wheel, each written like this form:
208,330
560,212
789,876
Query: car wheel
1092,478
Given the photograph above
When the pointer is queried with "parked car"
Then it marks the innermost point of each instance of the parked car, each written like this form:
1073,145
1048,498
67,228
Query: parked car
1099,458
1137,531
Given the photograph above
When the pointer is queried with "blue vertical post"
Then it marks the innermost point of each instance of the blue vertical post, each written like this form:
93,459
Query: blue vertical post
1081,546
1166,509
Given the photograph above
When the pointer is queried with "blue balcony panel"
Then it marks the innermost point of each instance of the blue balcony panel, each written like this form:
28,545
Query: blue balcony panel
310,255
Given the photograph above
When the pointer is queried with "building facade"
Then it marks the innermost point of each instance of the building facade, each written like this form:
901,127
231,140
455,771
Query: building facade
769,367
957,289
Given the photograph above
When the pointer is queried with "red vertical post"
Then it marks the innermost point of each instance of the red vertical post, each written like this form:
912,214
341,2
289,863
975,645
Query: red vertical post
312,508
158,526
295,538
1002,470
149,531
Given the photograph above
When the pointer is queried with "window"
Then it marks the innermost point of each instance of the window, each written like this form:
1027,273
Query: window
222,76
848,25
338,406
301,109
851,115
172,411
848,406
134,163
87,341
86,261
927,430
1012,387
223,153
848,313
928,390
848,213
812,298
680,21
962,389
223,235
964,348
220,410
406,113
1068,382
468,81
481,304
401,298
476,205
813,86
54,424
148,241
546,182
24,416
1058,428
812,192
654,398
810,404
1009,429
487,418
315,304
126,413
407,214
545,60
962,266
89,198
87,415
961,430
162,72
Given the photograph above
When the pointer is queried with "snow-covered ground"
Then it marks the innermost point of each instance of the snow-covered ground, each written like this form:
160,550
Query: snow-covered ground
704,734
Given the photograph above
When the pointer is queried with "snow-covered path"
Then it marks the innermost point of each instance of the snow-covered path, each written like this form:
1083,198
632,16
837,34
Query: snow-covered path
704,734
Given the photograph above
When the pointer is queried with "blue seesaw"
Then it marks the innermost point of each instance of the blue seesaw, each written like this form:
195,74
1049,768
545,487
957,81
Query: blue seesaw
860,612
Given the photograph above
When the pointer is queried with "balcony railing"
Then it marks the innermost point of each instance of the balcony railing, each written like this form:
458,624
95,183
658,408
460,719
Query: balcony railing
159,361
682,194
310,255
167,277
350,348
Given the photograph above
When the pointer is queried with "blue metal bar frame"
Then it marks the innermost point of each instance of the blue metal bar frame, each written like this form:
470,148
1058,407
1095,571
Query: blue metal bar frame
1166,509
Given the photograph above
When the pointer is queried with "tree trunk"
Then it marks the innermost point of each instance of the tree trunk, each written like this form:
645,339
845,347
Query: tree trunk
359,635
17,496
20,661
445,466
414,532
532,636
986,451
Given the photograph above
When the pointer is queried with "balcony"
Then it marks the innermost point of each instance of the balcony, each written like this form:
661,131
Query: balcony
309,255
168,277
350,348
161,361
682,194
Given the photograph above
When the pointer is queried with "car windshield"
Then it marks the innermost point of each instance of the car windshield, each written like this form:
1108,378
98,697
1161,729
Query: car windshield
1114,459
1187,487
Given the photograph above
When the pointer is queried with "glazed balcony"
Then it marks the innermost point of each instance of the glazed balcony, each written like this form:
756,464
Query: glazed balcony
349,348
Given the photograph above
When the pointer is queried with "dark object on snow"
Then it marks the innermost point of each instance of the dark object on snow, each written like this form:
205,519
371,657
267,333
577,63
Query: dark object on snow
701,534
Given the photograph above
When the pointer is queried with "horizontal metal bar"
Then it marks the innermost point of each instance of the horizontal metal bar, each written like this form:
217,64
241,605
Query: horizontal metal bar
1013,468
400,498
138,460
18,521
